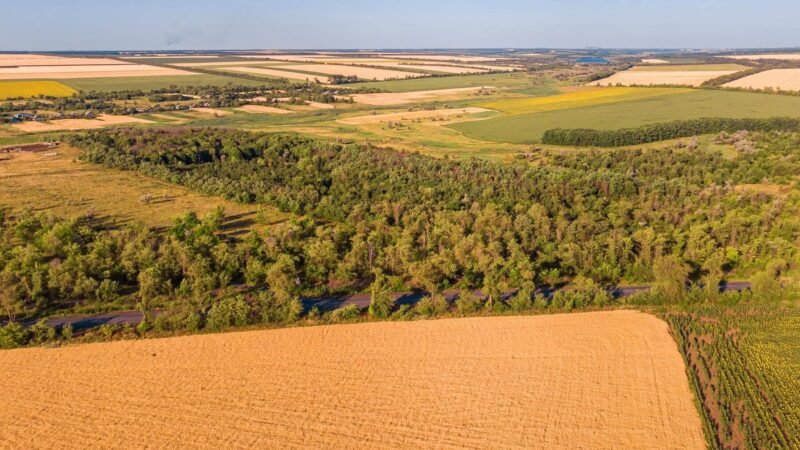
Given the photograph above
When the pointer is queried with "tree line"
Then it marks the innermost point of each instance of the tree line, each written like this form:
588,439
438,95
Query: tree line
582,137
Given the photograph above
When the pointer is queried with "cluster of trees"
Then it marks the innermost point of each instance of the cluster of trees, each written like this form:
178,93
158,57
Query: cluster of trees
663,131
434,223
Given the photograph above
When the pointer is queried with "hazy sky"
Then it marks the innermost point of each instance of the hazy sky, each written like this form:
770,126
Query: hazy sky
230,24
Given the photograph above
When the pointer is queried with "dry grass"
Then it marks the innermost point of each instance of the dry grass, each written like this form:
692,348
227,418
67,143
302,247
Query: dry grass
783,79
402,98
212,111
364,73
258,109
606,380
64,187
652,77
411,115
103,120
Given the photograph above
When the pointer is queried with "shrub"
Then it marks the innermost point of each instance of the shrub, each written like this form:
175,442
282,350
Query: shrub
13,335
467,302
231,311
346,314
279,309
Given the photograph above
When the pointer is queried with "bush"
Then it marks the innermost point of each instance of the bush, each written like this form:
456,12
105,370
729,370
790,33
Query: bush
431,306
231,311
522,301
346,314
13,335
467,302
279,309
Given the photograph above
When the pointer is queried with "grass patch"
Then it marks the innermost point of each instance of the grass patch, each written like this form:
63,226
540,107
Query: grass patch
34,88
157,82
65,187
528,128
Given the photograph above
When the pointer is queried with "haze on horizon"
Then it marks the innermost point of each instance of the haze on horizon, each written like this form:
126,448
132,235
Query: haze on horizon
314,24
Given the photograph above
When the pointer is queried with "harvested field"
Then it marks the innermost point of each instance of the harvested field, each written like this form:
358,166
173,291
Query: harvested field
103,120
259,109
689,68
402,98
654,61
27,89
603,380
14,60
654,78
411,115
778,56
364,73
432,57
87,71
434,68
292,58
279,73
783,79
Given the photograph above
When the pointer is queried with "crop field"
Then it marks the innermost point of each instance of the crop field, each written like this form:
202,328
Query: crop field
783,79
149,83
778,56
434,68
87,71
28,89
29,60
278,73
689,68
646,77
744,363
527,128
553,381
436,83
577,99
364,73
60,185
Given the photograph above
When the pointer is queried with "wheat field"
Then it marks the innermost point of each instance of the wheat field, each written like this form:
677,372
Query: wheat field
601,380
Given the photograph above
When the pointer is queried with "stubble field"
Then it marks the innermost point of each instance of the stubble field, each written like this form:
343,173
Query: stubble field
592,380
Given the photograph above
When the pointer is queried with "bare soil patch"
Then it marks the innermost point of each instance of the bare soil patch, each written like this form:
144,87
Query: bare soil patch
603,380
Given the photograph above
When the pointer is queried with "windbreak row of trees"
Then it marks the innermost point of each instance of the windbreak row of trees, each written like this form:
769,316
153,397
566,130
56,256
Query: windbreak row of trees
582,137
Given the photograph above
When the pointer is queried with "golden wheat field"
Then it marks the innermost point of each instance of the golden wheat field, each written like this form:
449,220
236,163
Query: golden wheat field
654,78
783,79
602,380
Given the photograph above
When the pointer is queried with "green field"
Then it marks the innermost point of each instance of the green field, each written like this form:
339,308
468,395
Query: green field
519,80
528,128
156,82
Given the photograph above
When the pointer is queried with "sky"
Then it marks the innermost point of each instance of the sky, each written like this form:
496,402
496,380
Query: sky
347,24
